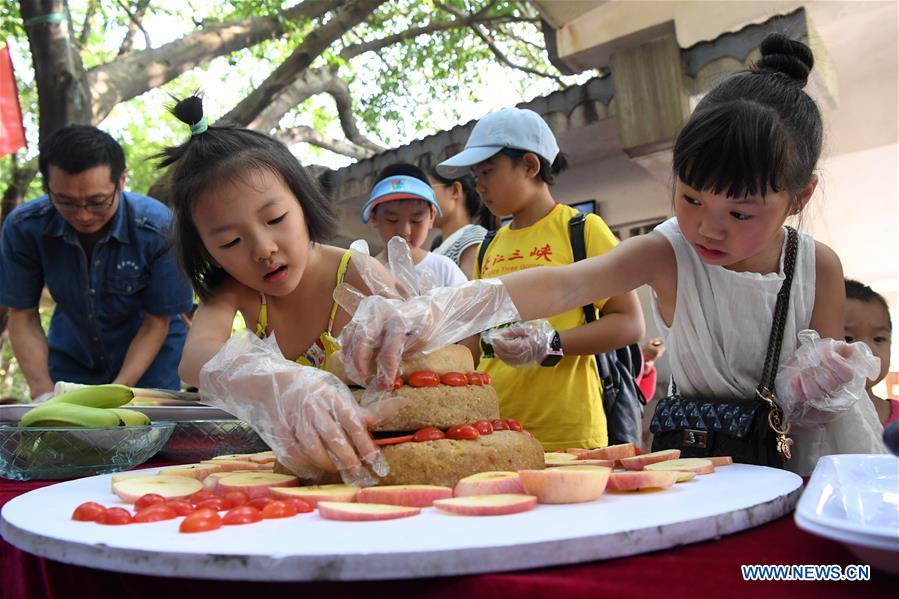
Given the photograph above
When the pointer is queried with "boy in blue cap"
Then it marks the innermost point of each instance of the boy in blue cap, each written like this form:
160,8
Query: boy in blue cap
404,205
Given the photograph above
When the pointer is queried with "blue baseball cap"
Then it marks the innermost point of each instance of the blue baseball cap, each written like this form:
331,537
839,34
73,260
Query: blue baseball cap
516,128
399,187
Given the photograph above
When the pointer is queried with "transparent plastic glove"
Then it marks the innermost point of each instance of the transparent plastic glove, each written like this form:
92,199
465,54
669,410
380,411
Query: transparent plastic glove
385,328
824,378
43,397
307,416
521,344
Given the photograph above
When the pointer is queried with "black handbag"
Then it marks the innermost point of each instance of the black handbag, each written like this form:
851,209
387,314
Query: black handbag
752,430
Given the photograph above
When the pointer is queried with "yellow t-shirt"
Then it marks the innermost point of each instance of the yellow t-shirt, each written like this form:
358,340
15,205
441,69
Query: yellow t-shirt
560,405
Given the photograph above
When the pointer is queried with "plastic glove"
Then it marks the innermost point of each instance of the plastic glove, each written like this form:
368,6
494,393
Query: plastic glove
824,378
387,328
521,344
307,416
43,397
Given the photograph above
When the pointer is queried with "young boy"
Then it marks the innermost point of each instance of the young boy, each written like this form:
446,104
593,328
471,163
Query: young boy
404,205
514,157
867,319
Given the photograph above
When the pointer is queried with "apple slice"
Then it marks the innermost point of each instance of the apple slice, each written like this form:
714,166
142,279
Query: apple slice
579,462
255,484
197,471
553,458
682,475
316,493
405,495
489,483
612,452
639,462
120,476
643,479
577,466
359,512
565,485
228,465
263,457
170,487
487,505
576,450
697,465
241,457
720,460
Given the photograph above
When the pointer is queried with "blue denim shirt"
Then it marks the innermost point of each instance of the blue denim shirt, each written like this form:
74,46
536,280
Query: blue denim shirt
99,306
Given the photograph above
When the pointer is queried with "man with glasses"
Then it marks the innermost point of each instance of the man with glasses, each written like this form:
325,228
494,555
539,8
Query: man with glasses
103,253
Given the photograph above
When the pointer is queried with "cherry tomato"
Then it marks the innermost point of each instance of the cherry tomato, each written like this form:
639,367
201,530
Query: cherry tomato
398,382
259,502
236,498
278,509
115,516
454,379
243,514
463,432
474,378
88,512
201,496
201,521
300,505
148,500
500,425
513,424
484,427
156,513
424,378
181,507
216,503
428,433
485,378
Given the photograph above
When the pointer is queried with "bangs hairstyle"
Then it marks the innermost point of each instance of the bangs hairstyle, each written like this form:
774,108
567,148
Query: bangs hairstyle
859,291
757,130
223,154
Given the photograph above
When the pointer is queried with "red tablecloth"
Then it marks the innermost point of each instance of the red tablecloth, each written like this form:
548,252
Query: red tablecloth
708,569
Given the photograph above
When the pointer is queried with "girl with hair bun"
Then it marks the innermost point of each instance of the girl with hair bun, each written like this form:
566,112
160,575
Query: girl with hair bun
249,229
743,163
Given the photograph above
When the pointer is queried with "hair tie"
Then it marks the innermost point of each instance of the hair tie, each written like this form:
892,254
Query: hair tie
199,127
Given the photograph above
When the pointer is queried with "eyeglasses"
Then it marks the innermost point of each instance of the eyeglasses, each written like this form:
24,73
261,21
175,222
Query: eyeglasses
92,207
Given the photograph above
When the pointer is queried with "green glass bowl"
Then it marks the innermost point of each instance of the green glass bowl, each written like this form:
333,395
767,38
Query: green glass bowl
55,453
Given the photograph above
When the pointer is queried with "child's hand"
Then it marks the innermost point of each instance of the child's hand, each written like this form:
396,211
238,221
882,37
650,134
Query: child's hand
824,378
307,416
385,328
523,343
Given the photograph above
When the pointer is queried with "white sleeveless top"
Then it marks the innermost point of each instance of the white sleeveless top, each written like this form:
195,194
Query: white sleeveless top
722,319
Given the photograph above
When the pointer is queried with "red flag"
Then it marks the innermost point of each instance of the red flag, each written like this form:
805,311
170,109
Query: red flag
12,134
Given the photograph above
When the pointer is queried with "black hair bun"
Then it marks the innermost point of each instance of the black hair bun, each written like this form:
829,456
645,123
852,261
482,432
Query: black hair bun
780,54
189,110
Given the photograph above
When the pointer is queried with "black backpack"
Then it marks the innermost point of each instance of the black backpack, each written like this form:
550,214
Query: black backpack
622,399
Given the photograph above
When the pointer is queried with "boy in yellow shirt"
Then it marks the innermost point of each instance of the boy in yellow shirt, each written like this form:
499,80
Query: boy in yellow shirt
514,157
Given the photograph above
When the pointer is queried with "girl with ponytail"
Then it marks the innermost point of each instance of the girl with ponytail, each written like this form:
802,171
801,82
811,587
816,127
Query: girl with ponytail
743,163
250,223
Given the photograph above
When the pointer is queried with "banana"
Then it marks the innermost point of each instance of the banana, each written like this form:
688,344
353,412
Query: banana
67,414
96,396
131,417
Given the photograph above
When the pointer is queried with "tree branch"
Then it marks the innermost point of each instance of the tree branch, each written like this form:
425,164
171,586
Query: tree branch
86,24
136,23
137,72
505,60
460,20
287,72
303,134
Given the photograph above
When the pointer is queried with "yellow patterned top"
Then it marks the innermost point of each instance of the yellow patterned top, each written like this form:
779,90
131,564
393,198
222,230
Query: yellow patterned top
317,355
